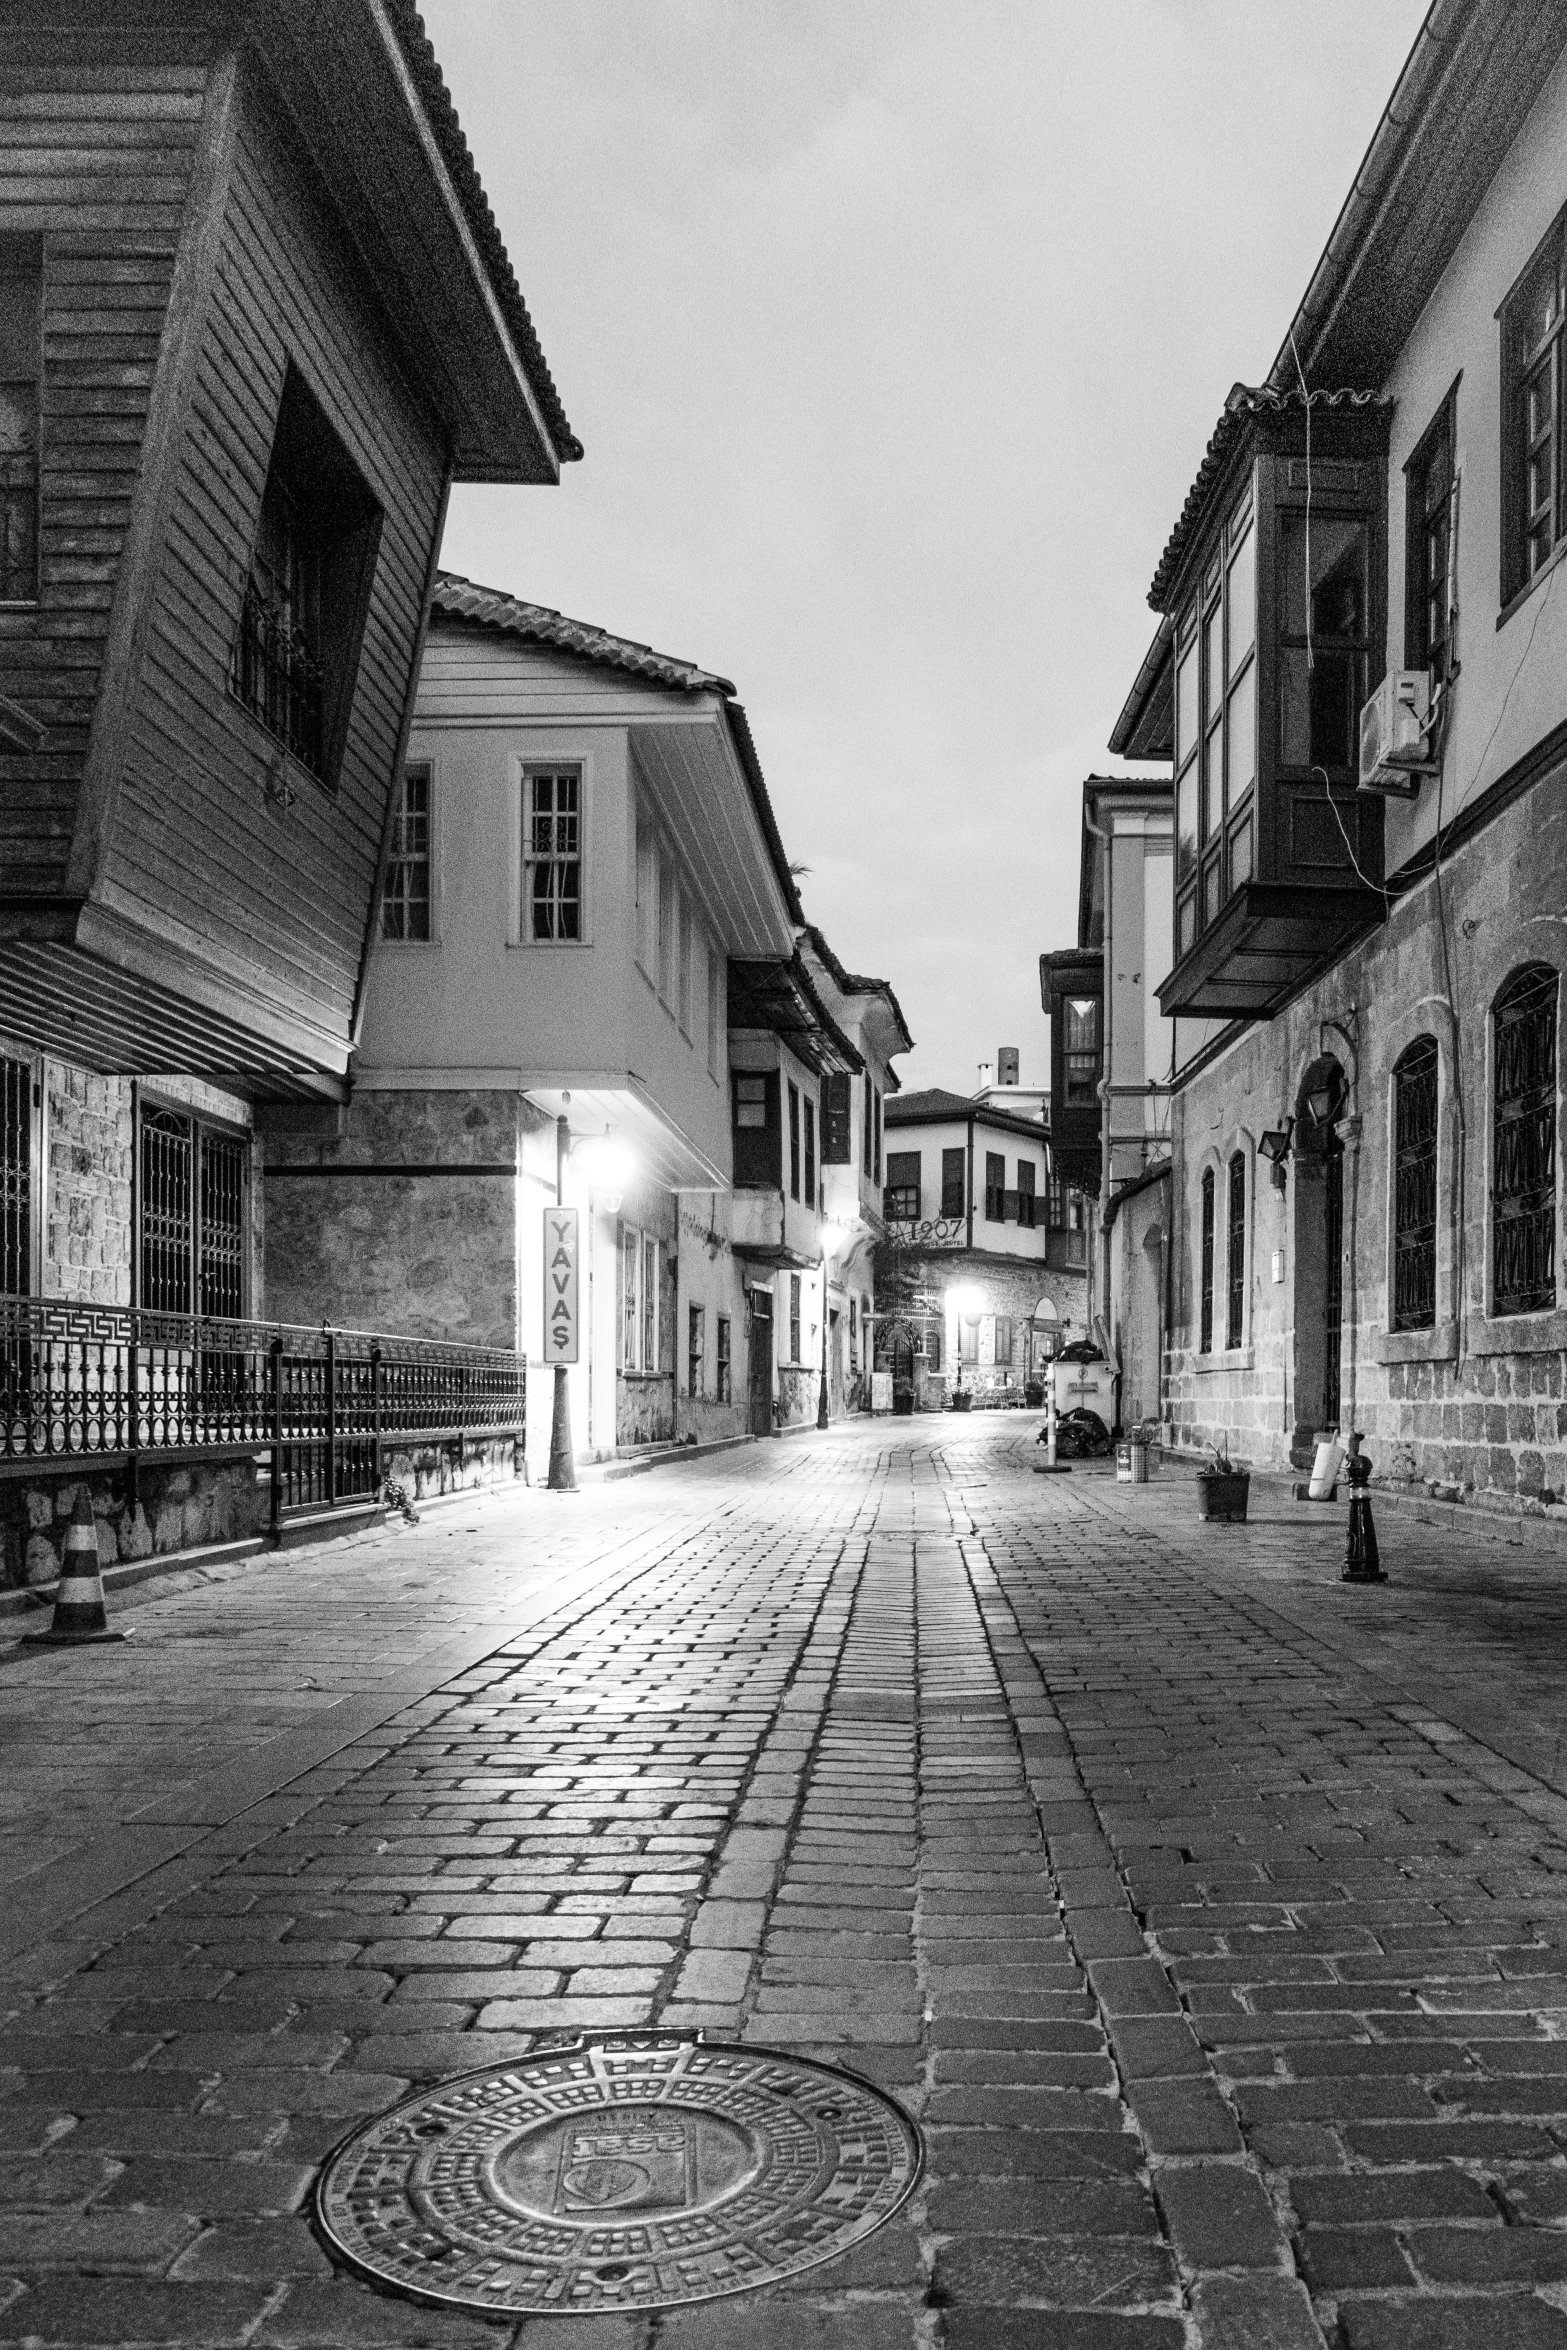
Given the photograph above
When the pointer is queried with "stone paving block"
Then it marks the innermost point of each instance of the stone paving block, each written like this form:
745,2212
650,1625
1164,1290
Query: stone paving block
1338,2260
1516,2322
1219,2216
1041,2207
266,2248
94,2310
1055,2272
131,2242
787,2323
1255,2313
1185,2117
348,2316
715,1977
1038,2329
1044,2154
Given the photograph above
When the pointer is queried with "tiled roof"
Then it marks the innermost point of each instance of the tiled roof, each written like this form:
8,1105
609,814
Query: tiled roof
857,983
464,599
936,1105
1245,401
441,114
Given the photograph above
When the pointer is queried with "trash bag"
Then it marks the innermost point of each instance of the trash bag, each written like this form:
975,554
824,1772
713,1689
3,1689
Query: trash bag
1082,1436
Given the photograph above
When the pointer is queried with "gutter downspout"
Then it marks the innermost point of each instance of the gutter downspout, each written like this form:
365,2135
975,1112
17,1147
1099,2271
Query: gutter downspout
969,1243
1105,1034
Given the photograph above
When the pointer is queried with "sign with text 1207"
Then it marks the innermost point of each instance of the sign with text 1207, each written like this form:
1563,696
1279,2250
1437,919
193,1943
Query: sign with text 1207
561,1260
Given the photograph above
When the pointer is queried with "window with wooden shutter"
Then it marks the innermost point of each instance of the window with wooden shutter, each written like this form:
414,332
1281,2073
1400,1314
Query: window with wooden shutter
794,1142
1026,1204
21,378
1523,1144
995,1187
1205,1338
901,1198
954,1188
754,1095
1414,1186
836,1120
794,1318
1235,1254
810,1152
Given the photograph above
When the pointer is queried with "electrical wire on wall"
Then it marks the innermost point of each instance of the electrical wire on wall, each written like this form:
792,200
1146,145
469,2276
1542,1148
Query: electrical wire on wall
1455,1032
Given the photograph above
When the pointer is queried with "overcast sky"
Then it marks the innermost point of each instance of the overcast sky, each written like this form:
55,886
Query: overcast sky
895,334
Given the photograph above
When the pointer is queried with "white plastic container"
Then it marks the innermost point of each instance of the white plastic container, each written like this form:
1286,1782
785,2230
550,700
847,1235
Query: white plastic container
1131,1461
1325,1468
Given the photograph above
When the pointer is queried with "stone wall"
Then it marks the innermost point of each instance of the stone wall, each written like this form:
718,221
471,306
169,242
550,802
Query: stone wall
1477,1403
90,1139
356,1238
180,1507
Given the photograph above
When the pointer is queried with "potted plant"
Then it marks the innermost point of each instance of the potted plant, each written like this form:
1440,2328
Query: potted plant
1222,1489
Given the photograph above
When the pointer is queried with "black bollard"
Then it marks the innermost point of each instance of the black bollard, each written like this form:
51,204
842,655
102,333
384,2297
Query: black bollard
1361,1562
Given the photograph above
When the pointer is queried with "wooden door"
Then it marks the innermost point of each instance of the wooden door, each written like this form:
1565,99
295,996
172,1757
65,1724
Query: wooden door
759,1365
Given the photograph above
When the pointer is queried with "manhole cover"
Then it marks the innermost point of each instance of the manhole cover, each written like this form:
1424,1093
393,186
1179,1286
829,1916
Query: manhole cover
630,2172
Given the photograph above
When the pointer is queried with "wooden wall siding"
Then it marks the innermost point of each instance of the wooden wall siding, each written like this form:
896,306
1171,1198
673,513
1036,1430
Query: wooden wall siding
481,676
96,138
274,899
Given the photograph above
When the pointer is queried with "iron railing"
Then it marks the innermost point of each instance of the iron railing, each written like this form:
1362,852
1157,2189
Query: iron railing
123,1386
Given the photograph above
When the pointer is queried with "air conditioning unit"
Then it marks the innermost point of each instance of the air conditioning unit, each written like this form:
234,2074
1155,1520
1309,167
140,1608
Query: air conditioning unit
1394,726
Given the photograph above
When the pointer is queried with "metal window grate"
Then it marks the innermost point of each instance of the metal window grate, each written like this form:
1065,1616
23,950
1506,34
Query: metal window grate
405,907
1235,1254
222,1235
278,678
1523,1164
167,1171
16,1177
1205,1336
1414,1186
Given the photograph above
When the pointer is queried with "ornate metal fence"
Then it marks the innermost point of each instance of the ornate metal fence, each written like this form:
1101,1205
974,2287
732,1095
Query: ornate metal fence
121,1386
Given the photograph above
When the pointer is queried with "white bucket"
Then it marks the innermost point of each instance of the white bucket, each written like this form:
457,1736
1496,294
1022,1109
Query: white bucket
1325,1468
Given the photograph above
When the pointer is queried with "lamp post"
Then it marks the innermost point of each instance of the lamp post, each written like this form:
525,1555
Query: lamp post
832,1238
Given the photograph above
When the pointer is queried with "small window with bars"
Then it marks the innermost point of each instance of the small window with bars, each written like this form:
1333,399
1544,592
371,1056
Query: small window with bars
16,1178
192,1250
405,906
1205,1326
794,1318
552,855
1523,1143
722,1371
1414,1186
696,1327
1235,1255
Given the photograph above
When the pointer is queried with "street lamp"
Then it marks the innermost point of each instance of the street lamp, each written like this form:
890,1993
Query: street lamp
832,1237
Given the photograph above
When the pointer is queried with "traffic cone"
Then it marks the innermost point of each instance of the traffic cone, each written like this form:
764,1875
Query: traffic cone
79,1618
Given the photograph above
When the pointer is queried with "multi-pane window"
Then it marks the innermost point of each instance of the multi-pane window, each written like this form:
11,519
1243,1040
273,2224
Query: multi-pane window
405,908
1026,1208
810,1152
1414,1186
794,1142
794,1319
191,1248
1004,1340
901,1200
837,1125
953,1184
1055,1202
630,1284
755,1101
1235,1254
1533,508
995,1187
650,1331
16,1178
1324,642
1205,1331
552,853
21,371
1428,544
1081,1045
696,1324
1523,1143
1216,730
723,1374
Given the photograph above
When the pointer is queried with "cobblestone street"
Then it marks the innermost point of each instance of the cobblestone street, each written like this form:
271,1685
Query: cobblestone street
1209,1917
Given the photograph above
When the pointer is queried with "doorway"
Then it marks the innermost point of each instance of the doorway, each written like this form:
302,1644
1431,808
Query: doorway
1316,1178
759,1362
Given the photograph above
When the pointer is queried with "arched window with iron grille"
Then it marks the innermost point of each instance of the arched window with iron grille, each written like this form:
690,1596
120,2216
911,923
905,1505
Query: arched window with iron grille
1414,1186
1205,1340
1523,1143
1235,1254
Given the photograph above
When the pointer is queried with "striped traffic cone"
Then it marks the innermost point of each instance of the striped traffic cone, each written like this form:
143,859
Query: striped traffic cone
79,1617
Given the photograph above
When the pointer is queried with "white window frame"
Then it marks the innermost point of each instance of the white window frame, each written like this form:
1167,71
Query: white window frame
431,764
537,763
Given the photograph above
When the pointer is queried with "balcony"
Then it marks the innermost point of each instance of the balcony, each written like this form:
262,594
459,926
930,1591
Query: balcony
117,1387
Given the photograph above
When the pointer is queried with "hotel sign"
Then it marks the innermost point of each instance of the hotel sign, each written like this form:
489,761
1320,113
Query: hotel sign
562,1259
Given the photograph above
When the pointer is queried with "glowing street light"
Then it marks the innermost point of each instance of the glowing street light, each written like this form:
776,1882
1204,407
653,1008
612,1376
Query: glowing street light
832,1238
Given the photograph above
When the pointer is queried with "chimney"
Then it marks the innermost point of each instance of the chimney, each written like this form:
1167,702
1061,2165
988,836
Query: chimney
1006,1064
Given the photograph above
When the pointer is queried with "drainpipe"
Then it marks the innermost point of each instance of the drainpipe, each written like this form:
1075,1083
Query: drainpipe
1105,1032
969,1243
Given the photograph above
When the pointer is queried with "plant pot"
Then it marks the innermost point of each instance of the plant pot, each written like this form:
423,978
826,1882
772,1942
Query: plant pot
962,1399
1223,1497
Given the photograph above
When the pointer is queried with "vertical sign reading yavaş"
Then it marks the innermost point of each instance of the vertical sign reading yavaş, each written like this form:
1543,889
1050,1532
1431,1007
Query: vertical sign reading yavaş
560,1285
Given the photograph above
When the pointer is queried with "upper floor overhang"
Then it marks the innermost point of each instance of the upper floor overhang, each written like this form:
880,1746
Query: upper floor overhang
599,1104
780,996
367,98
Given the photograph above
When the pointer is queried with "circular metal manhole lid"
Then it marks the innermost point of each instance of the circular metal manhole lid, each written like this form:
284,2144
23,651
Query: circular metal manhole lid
632,2171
